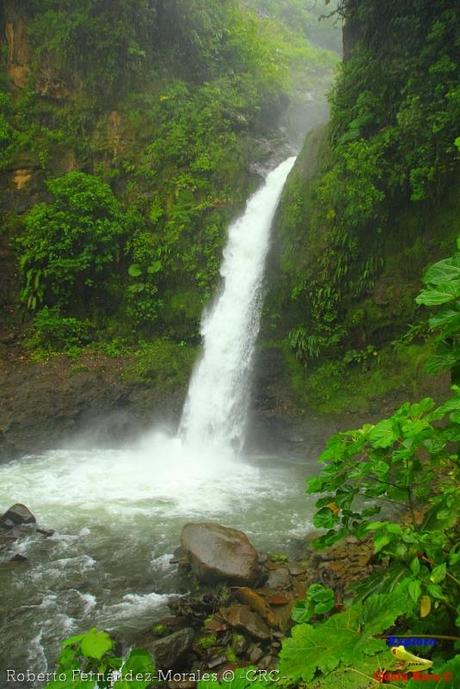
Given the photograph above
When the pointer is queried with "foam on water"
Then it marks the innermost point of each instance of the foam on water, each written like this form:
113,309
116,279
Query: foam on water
118,515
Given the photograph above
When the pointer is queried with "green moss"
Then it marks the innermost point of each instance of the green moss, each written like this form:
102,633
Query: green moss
231,655
336,387
370,202
207,641
173,137
160,629
167,365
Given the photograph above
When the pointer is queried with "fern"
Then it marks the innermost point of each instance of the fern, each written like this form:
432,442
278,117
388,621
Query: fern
346,639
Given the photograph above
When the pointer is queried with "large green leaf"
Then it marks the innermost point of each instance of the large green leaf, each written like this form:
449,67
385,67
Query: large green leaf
383,434
134,270
95,644
139,662
442,294
345,638
308,650
448,319
325,518
443,271
359,676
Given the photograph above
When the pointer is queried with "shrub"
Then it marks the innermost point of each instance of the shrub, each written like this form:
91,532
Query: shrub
69,243
52,332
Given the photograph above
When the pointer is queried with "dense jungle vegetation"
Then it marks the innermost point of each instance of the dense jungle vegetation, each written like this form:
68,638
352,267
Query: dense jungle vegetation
374,197
409,461
136,125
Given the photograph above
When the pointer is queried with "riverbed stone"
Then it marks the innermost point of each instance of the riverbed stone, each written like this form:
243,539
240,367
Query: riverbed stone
17,515
256,602
217,553
279,578
242,617
255,653
169,651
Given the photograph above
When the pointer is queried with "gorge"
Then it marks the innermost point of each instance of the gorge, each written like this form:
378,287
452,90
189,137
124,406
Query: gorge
190,317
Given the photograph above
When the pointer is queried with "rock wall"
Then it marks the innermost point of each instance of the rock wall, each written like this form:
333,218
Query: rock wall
51,404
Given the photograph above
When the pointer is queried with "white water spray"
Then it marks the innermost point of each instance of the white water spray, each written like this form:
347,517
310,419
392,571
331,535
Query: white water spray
218,397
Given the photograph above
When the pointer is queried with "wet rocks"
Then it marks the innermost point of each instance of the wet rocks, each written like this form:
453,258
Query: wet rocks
279,578
218,553
17,515
343,564
257,603
241,623
242,617
16,523
170,651
242,608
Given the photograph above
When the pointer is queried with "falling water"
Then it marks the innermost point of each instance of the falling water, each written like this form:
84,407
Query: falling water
218,397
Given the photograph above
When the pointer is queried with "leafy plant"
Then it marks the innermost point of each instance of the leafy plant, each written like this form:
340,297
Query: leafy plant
90,658
70,243
408,464
318,601
343,639
53,332
166,364
348,224
442,290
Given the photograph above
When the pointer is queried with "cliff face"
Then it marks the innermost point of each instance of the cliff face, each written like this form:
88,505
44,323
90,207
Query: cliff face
368,207
176,106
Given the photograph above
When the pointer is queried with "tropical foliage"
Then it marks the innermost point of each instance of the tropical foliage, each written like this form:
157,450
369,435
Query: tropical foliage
404,470
159,157
356,236
90,659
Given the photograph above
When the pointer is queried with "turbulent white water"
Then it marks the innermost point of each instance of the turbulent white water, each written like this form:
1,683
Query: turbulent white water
118,516
216,407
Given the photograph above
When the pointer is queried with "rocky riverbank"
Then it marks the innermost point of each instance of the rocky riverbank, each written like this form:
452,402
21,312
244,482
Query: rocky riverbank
48,404
241,604
93,401
239,601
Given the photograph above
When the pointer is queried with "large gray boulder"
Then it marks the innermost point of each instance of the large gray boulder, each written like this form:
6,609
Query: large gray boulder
217,553
17,515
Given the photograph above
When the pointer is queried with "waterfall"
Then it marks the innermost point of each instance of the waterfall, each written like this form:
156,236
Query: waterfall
218,397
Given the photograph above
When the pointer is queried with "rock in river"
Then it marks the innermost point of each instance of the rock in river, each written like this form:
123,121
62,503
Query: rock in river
17,515
218,553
